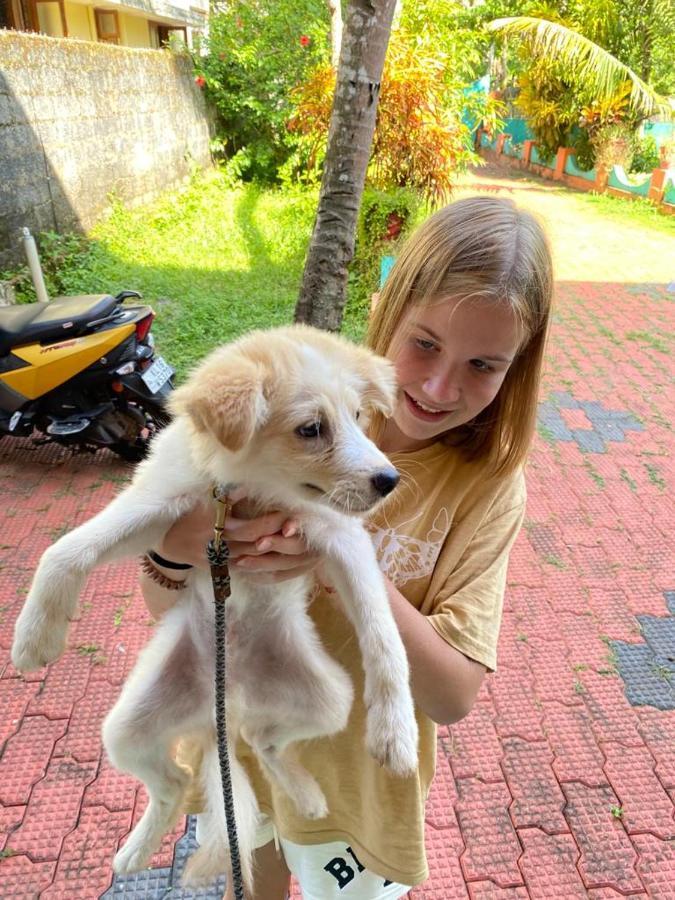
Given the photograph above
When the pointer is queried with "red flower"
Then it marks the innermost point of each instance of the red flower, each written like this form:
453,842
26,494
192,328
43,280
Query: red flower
200,81
304,40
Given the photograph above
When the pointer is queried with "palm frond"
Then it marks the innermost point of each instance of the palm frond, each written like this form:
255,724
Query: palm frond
591,64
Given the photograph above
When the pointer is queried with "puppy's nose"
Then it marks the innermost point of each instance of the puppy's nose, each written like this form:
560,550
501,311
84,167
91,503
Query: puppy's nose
385,481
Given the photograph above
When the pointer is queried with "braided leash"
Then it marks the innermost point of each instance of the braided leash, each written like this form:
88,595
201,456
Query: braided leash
218,554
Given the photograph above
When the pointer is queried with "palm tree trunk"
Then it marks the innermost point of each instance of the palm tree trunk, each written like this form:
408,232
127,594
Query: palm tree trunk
364,44
335,9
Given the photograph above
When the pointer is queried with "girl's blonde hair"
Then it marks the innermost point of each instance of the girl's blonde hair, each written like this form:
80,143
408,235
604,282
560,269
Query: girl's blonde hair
483,247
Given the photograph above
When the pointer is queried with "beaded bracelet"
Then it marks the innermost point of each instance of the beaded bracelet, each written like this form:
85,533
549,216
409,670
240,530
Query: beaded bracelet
167,563
153,573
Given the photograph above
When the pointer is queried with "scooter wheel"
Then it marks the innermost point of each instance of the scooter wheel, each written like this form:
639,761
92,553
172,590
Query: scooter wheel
131,452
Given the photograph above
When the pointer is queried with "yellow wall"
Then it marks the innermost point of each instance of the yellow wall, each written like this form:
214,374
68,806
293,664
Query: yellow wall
79,25
134,31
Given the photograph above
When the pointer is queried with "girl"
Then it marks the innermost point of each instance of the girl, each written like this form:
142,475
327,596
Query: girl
464,316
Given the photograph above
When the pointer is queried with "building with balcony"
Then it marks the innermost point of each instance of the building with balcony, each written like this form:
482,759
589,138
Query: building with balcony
129,23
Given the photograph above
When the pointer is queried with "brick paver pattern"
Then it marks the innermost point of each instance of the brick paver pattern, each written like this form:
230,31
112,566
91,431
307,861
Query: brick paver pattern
561,781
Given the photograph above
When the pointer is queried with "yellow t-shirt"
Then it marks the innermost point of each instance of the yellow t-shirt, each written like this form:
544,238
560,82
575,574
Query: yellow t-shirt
443,538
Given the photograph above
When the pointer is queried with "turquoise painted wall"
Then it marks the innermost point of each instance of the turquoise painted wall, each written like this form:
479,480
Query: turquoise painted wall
386,265
513,148
538,161
662,132
518,129
617,179
571,168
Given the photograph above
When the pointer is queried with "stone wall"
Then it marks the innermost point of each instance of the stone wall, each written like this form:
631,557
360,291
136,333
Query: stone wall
82,120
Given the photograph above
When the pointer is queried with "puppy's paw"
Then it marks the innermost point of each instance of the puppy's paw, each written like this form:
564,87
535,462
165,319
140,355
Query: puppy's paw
38,641
308,797
311,804
132,857
391,736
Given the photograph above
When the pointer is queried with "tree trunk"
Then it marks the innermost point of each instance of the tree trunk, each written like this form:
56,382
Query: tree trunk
335,31
364,44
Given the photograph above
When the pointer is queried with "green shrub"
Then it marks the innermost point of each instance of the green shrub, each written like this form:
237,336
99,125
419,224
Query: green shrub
584,151
646,155
385,220
255,54
65,259
614,146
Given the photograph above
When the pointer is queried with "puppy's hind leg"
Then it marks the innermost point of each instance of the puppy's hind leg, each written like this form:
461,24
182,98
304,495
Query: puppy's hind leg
281,767
163,699
212,858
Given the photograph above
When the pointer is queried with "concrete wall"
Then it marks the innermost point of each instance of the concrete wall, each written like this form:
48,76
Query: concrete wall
80,120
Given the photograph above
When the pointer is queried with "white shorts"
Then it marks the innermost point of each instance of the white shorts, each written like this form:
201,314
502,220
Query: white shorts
330,871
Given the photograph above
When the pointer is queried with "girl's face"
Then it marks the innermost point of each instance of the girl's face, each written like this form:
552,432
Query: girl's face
451,359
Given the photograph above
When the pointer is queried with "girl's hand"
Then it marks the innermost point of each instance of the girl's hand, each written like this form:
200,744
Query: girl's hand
267,549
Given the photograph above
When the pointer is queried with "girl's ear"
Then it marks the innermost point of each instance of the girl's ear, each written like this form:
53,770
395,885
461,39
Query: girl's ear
224,397
380,377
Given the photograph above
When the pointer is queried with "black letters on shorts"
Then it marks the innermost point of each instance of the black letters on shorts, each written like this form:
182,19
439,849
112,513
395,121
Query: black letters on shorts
339,869
343,873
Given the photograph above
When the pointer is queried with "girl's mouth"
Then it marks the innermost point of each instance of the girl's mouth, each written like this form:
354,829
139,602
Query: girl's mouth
421,412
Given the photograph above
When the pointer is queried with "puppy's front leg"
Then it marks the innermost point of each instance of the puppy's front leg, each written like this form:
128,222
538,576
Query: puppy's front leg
391,730
129,525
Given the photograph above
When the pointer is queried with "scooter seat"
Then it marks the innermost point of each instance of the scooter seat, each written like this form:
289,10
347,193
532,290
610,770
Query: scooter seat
61,317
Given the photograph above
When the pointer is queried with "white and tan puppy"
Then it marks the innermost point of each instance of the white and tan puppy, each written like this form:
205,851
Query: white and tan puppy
281,413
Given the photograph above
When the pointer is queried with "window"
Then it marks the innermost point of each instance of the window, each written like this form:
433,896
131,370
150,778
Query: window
46,16
107,26
50,17
6,20
169,34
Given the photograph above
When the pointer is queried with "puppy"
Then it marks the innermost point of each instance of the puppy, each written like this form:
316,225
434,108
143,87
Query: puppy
282,413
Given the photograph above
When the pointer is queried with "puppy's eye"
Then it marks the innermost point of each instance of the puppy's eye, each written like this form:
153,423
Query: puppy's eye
311,430
358,414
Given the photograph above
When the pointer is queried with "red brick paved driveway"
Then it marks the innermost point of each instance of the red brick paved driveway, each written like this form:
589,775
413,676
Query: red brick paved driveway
561,782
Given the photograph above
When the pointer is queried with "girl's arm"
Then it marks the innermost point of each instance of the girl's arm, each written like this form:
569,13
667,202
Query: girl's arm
444,682
158,599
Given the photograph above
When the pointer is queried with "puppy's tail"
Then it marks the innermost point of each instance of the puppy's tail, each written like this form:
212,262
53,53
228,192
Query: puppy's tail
212,858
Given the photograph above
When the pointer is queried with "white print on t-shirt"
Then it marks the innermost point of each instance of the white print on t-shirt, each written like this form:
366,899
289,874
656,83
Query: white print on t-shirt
403,557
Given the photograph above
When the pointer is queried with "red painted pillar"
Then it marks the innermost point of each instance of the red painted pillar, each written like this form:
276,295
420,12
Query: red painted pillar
657,185
560,162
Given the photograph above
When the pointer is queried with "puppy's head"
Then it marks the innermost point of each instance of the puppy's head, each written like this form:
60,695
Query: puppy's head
290,406
224,398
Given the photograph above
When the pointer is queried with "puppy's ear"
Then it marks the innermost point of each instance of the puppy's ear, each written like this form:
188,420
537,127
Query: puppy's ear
225,397
380,377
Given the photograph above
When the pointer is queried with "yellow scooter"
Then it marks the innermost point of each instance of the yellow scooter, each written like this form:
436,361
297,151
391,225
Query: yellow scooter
82,371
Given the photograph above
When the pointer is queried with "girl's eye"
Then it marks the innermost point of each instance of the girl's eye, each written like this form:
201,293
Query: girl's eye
424,344
480,365
311,430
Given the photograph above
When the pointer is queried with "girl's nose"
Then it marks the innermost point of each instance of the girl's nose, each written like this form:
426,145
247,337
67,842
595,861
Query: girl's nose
442,388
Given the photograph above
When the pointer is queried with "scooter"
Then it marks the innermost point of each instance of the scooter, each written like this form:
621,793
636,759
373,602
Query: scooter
82,372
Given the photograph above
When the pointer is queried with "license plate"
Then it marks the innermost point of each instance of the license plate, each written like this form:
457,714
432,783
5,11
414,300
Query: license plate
157,374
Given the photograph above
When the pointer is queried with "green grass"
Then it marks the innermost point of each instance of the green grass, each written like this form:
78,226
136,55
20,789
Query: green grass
215,262
656,341
212,260
628,212
655,476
